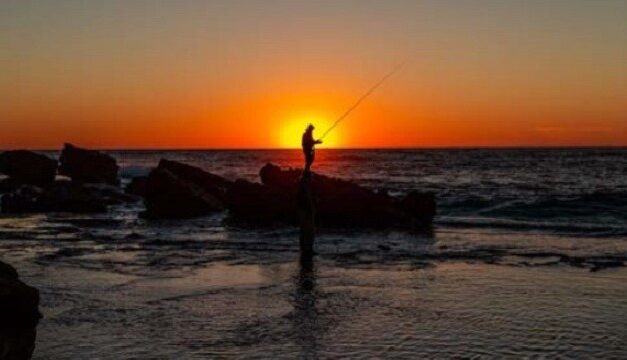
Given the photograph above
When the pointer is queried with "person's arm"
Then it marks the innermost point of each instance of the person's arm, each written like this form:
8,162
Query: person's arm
319,141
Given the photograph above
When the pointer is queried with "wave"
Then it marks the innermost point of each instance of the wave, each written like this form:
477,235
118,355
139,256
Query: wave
595,229
605,207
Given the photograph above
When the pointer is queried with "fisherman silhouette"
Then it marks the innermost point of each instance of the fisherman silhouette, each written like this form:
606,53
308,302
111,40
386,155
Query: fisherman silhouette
308,144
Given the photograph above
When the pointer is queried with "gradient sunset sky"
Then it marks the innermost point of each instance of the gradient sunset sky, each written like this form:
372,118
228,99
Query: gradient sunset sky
252,74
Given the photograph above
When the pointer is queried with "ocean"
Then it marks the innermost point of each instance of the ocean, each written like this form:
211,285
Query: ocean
526,258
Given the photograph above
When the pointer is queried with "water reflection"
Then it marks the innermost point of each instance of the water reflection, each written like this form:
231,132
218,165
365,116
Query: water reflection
306,322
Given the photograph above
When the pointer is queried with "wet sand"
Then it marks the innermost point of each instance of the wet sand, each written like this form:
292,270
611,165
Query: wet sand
322,310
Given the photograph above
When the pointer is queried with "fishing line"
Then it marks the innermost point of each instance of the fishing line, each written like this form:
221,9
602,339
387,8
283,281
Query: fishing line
361,99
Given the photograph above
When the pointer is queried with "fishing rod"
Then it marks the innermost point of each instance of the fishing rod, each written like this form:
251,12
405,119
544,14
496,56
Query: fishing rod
361,99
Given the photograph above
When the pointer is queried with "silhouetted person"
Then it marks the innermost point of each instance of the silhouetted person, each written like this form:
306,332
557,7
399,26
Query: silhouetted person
308,144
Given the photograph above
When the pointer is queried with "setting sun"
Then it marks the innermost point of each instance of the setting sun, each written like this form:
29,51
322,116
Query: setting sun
291,131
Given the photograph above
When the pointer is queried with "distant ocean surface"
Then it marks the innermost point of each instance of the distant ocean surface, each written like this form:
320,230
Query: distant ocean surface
526,258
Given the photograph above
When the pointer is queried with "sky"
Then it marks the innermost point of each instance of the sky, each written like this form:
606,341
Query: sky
253,74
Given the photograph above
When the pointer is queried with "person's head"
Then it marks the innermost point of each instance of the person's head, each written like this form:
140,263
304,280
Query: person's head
310,128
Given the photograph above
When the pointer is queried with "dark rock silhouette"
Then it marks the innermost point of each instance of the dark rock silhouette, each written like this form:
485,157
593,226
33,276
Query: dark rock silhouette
176,190
7,185
25,199
420,206
345,204
338,203
88,166
19,315
63,196
26,167
137,186
211,182
256,204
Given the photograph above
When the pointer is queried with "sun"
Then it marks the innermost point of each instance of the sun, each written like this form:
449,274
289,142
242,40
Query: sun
291,131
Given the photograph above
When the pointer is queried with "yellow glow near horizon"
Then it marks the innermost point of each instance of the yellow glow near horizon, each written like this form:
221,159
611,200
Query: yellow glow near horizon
292,130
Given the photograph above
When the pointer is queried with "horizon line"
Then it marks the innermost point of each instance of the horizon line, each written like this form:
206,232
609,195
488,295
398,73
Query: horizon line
464,147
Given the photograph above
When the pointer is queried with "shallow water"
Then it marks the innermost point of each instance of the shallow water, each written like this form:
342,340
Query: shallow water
283,310
526,258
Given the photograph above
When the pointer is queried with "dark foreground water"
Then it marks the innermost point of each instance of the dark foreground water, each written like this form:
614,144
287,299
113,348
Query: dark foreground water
526,258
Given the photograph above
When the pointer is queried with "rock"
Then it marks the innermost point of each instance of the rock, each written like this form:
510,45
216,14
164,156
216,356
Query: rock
7,271
19,311
24,199
256,204
202,178
27,167
176,190
8,185
273,175
137,186
88,166
62,196
338,203
421,206
67,196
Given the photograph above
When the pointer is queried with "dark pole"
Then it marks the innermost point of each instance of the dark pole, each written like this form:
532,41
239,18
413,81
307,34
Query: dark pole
306,214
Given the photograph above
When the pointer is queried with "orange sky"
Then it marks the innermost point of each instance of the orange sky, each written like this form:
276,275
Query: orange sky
249,74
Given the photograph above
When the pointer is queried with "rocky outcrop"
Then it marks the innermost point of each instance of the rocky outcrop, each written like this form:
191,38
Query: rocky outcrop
7,185
88,166
25,199
62,196
137,186
26,167
256,204
176,190
19,315
338,203
419,205
213,183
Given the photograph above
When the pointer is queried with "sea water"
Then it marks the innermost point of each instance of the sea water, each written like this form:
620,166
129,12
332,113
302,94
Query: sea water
526,257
